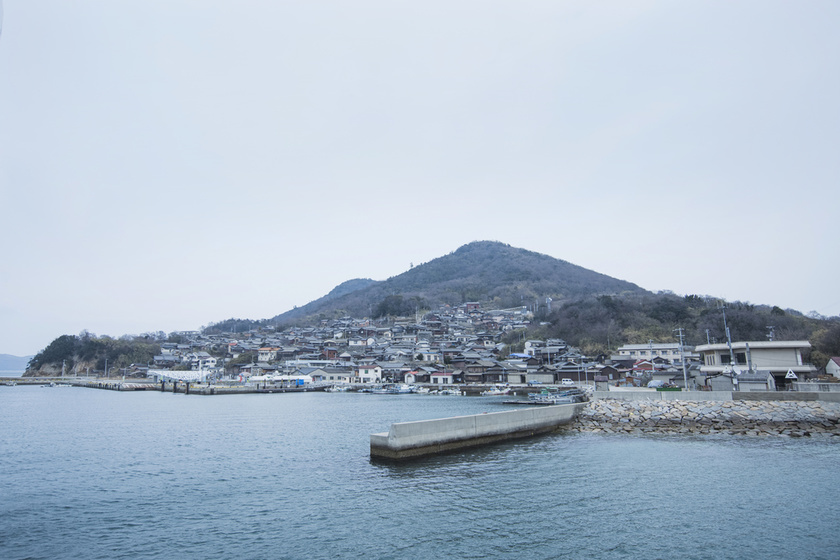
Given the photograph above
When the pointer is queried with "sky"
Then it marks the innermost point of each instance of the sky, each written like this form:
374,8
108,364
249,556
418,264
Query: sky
166,164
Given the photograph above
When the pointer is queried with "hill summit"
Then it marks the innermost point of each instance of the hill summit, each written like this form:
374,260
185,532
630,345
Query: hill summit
487,271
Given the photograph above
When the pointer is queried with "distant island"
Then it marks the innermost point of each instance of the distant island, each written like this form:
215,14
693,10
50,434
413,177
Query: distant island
13,365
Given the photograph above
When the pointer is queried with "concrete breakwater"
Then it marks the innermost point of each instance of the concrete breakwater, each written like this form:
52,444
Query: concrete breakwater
757,418
407,440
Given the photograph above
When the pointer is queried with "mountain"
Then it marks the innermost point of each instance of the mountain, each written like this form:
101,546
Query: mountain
494,273
13,364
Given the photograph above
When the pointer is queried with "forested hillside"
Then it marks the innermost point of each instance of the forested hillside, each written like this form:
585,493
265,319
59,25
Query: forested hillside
89,351
497,274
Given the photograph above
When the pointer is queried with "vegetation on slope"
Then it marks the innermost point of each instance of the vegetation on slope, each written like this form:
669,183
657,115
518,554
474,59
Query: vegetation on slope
495,273
89,351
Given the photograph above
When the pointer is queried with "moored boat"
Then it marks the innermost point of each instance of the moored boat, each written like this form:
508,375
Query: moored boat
496,390
557,397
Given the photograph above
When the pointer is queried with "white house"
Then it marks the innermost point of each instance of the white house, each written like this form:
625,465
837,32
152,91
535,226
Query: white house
369,374
201,361
268,354
833,367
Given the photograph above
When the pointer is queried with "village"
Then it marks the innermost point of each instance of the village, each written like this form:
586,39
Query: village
463,345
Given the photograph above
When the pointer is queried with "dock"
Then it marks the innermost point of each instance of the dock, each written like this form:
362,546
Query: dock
408,440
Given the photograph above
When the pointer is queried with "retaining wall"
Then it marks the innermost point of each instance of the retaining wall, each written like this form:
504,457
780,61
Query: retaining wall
649,394
748,417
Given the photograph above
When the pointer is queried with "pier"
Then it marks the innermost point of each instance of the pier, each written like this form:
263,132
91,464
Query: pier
407,440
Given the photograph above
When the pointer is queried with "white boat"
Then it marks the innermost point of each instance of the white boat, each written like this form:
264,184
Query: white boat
401,389
495,391
338,389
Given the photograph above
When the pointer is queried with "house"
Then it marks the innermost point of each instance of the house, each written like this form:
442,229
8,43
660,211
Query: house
201,361
420,375
610,373
441,378
427,355
369,374
268,354
167,360
775,356
833,367
756,381
543,374
577,372
337,375
474,371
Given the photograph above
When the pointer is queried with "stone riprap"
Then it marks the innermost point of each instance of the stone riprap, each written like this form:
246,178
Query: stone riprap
756,418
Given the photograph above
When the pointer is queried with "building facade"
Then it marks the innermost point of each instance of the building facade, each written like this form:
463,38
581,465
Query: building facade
778,357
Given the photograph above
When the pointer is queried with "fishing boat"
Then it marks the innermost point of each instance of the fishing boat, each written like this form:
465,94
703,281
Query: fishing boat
557,397
338,389
401,389
496,390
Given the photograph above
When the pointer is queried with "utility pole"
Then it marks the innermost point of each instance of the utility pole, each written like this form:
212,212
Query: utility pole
652,367
728,337
772,334
682,357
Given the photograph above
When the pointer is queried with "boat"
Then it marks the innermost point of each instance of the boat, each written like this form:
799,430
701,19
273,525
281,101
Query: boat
495,391
338,389
557,397
449,392
401,389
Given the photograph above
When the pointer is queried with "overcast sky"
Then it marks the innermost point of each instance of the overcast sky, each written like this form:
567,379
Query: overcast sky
165,164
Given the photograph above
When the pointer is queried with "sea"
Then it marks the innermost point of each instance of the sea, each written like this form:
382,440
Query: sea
90,474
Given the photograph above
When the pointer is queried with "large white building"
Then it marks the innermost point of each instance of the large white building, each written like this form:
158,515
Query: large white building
668,351
779,357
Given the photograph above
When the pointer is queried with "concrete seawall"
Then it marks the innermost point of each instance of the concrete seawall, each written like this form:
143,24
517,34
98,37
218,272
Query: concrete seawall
427,437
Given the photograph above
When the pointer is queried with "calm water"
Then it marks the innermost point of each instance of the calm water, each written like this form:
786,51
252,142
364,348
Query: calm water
99,474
